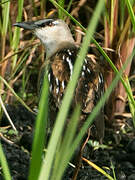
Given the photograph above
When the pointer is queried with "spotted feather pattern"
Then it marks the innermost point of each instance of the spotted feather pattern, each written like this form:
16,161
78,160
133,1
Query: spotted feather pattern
90,83
88,91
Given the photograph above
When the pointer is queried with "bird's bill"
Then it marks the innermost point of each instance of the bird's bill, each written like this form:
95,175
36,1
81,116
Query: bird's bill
25,25
33,24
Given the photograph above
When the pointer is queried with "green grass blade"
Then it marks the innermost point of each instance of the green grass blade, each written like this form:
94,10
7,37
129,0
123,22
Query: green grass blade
98,169
5,14
113,170
34,7
131,12
132,109
61,157
60,12
16,36
23,58
4,164
122,14
131,106
40,132
112,21
69,5
6,113
46,168
17,30
4,25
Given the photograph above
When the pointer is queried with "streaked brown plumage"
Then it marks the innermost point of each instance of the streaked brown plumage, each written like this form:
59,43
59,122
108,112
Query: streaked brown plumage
61,53
89,88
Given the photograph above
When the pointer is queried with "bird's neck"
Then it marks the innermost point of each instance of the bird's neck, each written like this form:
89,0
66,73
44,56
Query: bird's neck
53,48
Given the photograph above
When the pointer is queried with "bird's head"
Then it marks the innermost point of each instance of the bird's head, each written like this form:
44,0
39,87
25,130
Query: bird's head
54,34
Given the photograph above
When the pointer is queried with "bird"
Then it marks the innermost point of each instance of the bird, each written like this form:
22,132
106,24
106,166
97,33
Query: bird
61,53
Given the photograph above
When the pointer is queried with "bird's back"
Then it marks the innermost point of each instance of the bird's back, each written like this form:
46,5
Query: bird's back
89,89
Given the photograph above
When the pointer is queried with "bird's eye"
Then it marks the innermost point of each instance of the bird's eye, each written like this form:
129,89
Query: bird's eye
46,24
50,24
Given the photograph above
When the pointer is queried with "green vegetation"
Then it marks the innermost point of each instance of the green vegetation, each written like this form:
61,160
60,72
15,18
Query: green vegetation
58,153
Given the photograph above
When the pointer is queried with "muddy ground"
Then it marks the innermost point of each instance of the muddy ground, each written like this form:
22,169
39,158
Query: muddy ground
18,148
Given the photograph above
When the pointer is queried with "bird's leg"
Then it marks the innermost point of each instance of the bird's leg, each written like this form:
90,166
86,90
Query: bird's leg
100,126
79,156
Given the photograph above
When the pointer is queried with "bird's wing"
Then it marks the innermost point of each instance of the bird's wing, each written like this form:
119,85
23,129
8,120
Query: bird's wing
59,75
90,86
89,90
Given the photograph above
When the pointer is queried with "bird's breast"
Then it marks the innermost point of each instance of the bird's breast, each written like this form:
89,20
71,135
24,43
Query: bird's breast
89,86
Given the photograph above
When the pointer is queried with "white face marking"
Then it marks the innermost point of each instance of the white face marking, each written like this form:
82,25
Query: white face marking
70,65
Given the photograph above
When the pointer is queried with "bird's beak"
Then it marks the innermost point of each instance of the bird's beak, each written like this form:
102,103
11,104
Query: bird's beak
26,25
33,24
